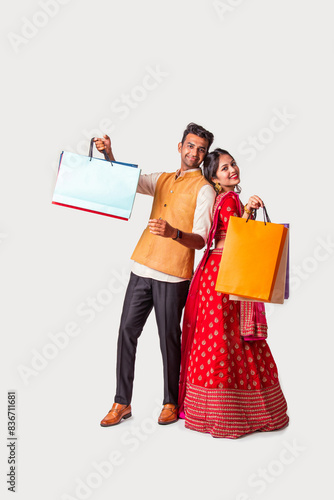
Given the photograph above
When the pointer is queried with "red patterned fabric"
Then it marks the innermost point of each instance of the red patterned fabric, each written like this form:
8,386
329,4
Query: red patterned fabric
234,413
232,385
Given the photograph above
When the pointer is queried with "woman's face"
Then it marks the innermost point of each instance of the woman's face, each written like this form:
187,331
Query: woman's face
227,173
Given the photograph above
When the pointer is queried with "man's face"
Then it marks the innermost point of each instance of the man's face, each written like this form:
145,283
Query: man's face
193,151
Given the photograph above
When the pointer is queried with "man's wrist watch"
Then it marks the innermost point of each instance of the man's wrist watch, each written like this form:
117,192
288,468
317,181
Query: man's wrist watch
178,235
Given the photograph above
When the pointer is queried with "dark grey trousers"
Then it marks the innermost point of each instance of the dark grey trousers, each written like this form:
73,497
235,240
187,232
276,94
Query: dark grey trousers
168,300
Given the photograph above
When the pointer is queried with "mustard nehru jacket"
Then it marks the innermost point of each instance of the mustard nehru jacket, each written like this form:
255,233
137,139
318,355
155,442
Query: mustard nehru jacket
174,201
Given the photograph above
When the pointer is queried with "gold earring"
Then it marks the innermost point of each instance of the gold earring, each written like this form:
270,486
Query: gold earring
218,187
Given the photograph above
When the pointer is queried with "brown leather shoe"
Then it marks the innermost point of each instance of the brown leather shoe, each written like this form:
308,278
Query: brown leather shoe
168,414
116,414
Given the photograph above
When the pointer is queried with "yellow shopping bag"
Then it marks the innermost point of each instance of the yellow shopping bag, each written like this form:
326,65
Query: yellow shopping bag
254,259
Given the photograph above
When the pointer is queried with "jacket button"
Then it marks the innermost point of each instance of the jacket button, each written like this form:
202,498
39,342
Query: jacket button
171,191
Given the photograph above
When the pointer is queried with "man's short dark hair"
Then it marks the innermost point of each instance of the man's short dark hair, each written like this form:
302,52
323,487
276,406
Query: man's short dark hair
193,128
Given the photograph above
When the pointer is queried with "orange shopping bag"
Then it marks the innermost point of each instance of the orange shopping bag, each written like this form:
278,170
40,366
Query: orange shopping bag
254,259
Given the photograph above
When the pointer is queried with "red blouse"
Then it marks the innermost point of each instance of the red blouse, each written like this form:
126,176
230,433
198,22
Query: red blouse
229,207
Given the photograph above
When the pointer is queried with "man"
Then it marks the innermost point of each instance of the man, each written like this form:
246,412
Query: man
163,265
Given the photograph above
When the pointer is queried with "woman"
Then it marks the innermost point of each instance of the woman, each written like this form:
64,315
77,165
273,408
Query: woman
228,383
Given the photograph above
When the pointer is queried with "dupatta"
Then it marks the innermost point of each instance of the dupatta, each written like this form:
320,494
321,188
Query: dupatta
253,324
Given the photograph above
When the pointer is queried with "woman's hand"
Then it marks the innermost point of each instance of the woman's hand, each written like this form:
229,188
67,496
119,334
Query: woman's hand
254,203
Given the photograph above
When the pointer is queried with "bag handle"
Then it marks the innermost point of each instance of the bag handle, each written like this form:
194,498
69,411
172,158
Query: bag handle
90,154
266,217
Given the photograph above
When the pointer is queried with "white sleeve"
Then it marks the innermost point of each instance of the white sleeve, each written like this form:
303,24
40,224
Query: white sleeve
147,183
203,212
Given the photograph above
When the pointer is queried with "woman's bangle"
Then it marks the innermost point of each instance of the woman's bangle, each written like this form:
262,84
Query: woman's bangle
249,212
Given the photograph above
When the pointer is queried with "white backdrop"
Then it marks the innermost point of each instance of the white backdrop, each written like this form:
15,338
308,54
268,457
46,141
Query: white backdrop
258,74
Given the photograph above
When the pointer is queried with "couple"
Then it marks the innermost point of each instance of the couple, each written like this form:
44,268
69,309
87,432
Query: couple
228,385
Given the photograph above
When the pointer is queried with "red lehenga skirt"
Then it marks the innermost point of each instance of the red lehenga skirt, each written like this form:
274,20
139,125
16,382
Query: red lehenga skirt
232,384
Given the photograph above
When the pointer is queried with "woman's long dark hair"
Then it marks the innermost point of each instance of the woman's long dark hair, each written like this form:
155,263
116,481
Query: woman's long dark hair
210,165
